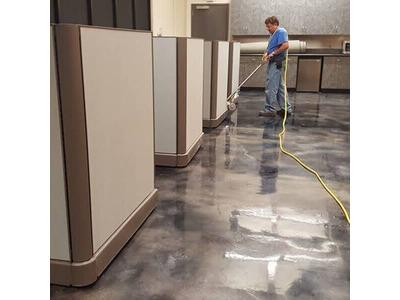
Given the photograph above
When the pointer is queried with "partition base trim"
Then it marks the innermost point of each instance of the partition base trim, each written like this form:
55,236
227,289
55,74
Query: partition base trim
214,123
178,160
86,273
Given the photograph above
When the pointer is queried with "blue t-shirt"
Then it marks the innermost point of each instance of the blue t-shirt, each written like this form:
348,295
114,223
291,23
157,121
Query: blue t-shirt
280,37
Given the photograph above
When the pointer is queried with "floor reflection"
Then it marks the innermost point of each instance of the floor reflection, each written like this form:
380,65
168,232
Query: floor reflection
243,221
270,154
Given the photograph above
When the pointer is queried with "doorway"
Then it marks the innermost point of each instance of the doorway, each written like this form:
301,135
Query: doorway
210,21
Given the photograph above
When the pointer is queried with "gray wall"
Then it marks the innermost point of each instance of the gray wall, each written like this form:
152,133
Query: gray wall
102,13
132,14
297,16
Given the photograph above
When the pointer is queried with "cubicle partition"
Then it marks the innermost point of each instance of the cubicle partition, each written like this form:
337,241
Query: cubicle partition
216,72
234,66
178,90
102,146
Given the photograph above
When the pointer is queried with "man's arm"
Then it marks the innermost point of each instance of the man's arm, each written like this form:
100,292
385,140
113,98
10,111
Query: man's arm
278,51
281,49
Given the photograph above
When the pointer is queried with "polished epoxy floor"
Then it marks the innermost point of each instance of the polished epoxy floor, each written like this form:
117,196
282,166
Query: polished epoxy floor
243,221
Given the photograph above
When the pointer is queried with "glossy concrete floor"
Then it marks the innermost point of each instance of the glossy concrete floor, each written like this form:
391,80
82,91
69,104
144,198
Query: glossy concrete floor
243,221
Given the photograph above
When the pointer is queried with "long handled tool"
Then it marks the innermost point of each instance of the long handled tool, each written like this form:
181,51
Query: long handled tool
230,101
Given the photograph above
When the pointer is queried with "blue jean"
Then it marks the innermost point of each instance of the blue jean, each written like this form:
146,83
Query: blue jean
275,88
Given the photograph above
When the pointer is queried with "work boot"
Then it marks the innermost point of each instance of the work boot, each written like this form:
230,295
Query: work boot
266,113
281,113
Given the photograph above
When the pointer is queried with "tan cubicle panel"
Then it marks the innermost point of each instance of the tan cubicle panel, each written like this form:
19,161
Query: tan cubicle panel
234,67
215,105
102,147
178,90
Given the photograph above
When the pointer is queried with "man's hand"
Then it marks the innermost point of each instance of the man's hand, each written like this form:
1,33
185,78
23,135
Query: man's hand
265,58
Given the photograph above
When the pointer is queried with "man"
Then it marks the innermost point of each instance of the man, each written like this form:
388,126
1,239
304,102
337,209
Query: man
275,56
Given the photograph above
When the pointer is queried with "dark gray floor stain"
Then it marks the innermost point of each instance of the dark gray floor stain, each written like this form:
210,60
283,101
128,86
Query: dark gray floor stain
244,221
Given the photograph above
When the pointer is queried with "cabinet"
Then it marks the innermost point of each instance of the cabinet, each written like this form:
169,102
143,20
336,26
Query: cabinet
309,74
336,73
291,77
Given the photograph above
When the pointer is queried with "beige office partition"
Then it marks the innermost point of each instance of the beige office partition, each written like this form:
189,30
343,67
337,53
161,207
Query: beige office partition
165,94
178,94
105,79
234,66
219,84
194,90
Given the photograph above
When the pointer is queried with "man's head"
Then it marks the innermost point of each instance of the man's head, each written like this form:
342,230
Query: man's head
272,24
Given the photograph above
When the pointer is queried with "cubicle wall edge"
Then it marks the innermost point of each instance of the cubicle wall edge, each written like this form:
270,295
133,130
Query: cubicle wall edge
215,120
234,67
230,68
182,93
86,273
214,79
86,263
214,123
72,106
183,155
187,146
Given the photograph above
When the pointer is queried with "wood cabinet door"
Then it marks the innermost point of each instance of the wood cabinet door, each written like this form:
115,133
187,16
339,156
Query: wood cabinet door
291,77
309,74
336,73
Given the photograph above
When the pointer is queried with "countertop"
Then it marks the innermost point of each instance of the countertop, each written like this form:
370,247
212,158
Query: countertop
312,53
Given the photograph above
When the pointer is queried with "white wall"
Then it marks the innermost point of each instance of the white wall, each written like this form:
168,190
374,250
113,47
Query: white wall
180,17
173,17
168,17
189,11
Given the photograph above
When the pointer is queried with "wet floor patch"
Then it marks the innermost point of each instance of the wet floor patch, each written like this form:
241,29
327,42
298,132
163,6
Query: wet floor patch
243,221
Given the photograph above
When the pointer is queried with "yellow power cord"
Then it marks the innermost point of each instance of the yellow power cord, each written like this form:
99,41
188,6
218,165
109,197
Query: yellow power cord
282,136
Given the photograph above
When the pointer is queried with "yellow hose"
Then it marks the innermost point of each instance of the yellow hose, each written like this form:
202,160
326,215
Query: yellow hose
282,136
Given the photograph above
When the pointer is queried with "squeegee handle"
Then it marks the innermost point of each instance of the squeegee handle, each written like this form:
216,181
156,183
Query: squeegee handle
244,81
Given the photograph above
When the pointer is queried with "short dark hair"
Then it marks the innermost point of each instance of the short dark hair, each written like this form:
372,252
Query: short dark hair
272,20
